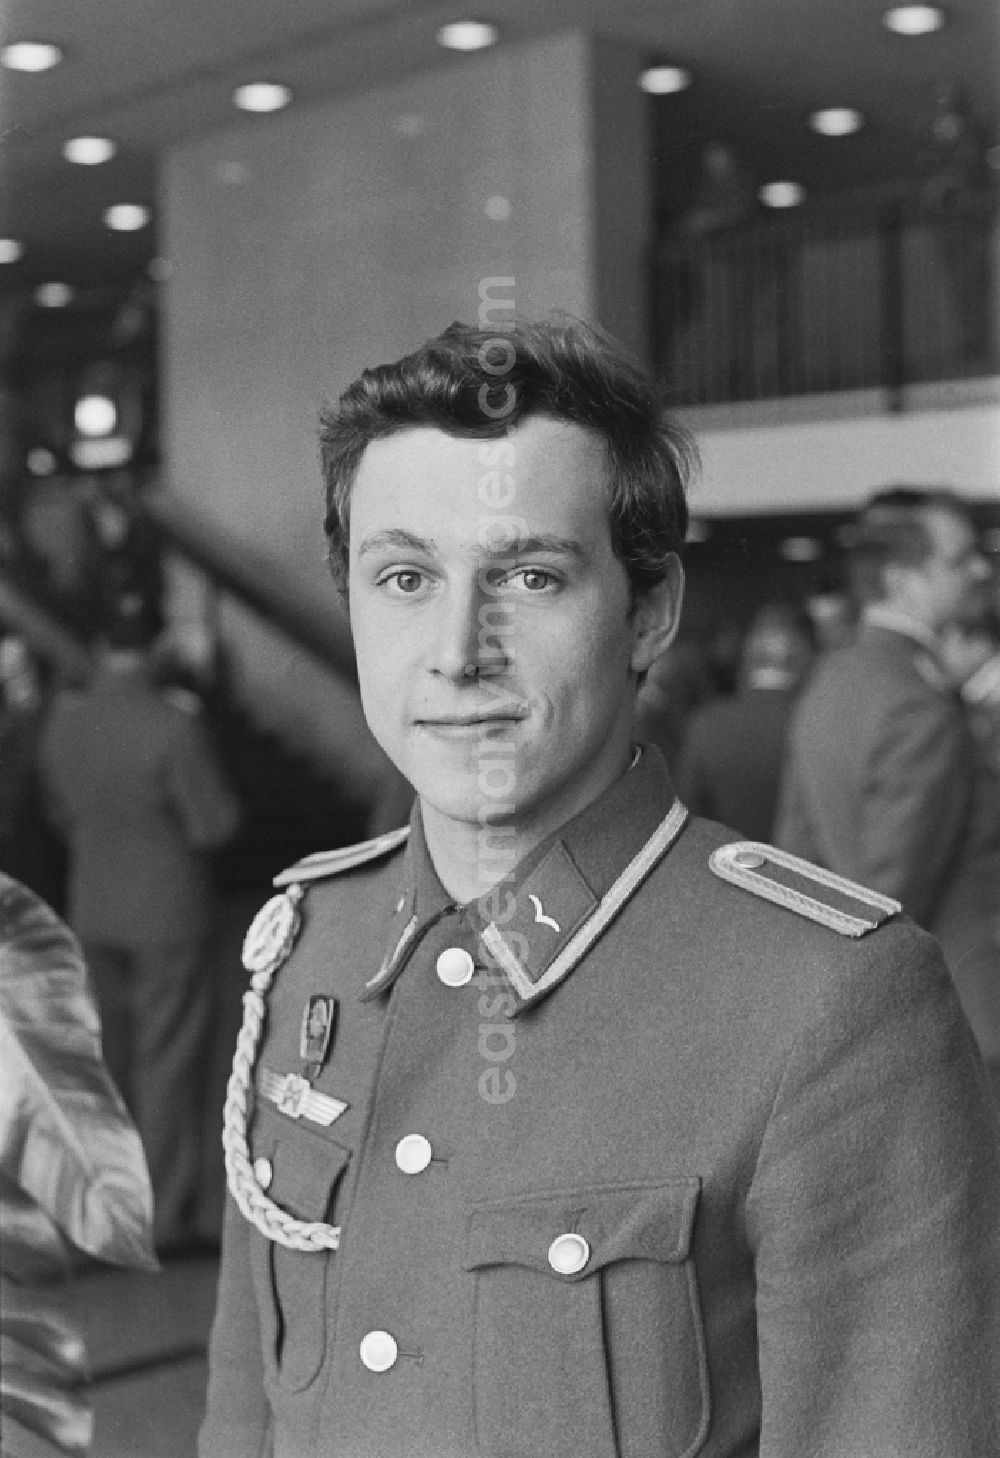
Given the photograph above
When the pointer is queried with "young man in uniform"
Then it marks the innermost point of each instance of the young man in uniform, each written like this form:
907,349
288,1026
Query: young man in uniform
616,1137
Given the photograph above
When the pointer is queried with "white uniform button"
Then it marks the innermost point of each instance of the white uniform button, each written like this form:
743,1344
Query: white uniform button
413,1154
378,1351
263,1171
749,860
455,967
568,1254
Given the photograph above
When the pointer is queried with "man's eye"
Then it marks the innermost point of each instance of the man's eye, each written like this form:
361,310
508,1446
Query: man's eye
532,579
406,581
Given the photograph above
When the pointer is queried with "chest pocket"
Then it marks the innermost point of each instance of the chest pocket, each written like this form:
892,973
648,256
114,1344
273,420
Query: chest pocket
588,1333
305,1169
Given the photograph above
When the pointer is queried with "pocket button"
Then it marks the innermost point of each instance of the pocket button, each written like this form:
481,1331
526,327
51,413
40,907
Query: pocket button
378,1351
568,1254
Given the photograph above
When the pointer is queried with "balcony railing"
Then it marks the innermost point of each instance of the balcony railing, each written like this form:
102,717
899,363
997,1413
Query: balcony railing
853,299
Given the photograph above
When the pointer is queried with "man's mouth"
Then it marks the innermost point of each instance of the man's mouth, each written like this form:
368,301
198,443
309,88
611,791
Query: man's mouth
467,721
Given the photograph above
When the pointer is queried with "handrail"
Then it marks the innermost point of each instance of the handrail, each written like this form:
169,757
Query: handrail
885,294
253,579
43,632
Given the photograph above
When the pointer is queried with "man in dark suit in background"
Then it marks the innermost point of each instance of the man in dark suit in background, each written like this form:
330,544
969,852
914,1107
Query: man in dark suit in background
883,783
133,782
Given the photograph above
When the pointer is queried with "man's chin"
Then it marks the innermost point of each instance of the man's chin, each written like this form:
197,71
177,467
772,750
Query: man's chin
465,805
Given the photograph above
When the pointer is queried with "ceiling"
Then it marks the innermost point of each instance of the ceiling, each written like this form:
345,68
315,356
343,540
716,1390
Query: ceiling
150,74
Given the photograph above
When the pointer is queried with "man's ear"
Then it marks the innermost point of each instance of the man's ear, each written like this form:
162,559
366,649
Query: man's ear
656,615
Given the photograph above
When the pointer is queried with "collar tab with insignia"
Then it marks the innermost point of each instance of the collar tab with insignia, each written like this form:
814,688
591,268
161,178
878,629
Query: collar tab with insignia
797,885
557,917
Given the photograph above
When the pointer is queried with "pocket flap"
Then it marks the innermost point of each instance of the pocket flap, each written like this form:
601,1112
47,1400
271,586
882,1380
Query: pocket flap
618,1222
305,1166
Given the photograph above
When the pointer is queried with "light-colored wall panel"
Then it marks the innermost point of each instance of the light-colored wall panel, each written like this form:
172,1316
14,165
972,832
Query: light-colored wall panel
798,455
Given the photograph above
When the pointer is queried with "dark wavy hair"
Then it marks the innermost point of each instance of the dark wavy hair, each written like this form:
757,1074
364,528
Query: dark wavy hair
483,383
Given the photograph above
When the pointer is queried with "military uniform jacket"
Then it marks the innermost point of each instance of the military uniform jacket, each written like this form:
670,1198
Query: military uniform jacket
678,1170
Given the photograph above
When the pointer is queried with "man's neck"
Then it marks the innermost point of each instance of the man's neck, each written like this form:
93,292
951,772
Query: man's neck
471,858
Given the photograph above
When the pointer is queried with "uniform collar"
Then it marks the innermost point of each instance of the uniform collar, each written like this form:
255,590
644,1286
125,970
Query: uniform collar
536,924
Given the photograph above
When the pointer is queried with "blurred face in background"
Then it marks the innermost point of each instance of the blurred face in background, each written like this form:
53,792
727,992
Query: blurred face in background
951,581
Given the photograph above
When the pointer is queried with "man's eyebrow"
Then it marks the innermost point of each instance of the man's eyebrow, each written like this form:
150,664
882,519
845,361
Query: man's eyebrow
395,537
544,543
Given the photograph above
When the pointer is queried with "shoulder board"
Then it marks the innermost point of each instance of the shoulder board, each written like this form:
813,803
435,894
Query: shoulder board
183,699
799,886
345,858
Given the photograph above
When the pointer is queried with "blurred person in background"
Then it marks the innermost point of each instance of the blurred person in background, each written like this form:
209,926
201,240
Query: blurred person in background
131,778
676,686
957,194
733,754
971,650
832,612
883,782
28,849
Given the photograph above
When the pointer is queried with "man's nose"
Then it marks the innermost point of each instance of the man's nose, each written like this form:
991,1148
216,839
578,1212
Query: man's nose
455,650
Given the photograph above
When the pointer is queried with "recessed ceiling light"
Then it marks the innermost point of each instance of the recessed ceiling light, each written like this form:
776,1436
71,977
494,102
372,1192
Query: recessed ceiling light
53,295
95,415
89,151
11,249
30,56
126,217
262,96
914,19
468,35
836,121
664,80
782,194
